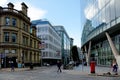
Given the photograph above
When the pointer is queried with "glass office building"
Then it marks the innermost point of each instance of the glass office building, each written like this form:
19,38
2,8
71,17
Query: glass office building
65,46
101,30
50,42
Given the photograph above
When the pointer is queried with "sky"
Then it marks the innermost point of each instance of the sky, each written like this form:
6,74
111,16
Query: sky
58,12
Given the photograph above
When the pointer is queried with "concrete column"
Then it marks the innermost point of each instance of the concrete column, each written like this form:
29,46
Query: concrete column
114,50
89,52
85,52
85,49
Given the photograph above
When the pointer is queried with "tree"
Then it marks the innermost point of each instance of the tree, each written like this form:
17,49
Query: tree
75,54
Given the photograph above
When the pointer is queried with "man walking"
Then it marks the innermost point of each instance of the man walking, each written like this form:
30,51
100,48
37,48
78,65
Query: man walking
12,66
59,66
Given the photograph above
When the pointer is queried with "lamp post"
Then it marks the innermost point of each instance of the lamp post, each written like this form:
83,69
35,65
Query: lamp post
83,63
82,59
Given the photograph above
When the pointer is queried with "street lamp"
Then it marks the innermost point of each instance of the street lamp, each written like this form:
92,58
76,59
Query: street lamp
82,56
83,63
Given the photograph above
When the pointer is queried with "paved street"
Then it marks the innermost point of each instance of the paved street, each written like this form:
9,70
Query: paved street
50,73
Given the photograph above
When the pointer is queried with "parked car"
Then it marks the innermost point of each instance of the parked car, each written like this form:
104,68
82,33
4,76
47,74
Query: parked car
46,64
71,62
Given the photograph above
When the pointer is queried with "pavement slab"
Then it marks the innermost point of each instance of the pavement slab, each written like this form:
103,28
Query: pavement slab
50,73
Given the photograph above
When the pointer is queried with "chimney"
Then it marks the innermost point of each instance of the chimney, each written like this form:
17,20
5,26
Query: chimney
10,5
24,8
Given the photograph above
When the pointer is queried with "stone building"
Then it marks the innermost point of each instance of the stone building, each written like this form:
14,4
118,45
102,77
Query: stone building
18,40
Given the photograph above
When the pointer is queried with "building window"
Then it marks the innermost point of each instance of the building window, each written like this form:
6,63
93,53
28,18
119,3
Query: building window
6,36
7,21
25,27
43,54
6,51
14,37
30,56
13,51
31,43
14,21
25,41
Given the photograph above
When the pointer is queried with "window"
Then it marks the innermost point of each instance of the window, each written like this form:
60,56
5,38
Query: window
43,54
6,36
7,21
13,51
6,51
30,42
25,41
13,21
14,37
25,27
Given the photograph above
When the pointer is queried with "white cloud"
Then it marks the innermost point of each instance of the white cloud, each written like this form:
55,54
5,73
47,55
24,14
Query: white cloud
2,2
33,12
17,5
90,11
108,13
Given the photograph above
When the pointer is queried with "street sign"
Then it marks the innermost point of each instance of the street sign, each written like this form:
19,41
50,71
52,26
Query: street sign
41,45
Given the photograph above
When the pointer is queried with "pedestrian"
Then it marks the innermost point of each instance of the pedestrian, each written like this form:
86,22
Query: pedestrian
115,67
31,66
12,66
23,65
59,64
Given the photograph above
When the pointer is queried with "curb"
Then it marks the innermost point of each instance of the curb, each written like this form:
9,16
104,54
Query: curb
104,75
16,69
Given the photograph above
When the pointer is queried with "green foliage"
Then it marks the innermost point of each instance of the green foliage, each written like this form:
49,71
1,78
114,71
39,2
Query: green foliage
75,55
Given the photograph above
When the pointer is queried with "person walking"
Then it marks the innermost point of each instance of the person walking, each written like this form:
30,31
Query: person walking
115,67
12,66
23,65
59,64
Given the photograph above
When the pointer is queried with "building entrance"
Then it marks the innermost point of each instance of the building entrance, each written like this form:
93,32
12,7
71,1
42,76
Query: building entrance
6,62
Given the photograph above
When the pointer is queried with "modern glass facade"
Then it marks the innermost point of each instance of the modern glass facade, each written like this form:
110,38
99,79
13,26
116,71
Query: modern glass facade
66,41
105,17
